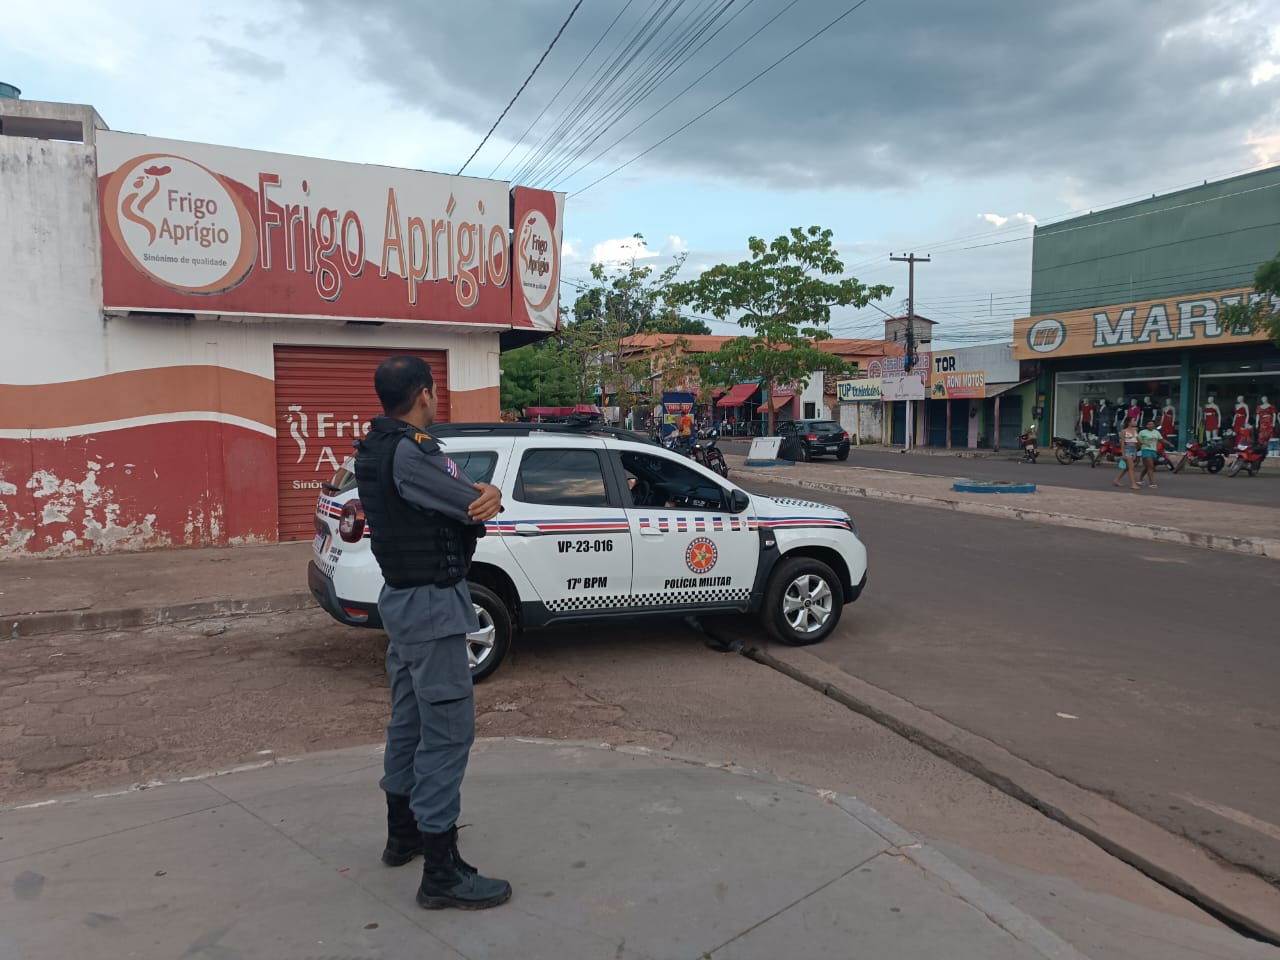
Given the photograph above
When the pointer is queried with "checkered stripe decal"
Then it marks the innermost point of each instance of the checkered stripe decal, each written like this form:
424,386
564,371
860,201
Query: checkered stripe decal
695,524
666,598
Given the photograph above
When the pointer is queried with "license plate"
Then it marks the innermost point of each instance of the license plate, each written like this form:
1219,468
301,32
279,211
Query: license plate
321,543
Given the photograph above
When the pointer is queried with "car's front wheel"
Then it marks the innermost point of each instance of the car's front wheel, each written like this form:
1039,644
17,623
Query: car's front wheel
487,647
803,602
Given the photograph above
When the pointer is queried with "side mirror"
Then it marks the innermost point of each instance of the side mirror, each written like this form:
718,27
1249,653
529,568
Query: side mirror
738,501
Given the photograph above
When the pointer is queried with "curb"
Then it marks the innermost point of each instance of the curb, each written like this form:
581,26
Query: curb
30,625
1242,899
1249,546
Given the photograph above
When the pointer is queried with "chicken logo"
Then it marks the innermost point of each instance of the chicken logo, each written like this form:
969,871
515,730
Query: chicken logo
146,184
179,224
701,555
537,261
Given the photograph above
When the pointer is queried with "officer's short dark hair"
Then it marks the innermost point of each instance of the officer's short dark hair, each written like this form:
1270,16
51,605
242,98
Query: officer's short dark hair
398,380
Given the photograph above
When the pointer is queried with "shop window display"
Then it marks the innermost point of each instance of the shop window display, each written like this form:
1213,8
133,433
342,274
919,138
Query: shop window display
1094,403
1240,398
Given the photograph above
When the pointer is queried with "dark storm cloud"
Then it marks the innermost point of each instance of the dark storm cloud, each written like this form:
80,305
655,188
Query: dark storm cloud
1106,92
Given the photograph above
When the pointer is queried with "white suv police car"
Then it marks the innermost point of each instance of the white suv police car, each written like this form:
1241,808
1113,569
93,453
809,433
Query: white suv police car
601,523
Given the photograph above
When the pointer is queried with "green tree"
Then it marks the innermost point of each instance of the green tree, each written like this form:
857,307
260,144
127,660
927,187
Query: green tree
537,376
1262,311
783,295
672,322
621,302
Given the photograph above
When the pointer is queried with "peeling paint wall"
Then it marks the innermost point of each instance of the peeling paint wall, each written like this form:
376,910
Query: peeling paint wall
143,431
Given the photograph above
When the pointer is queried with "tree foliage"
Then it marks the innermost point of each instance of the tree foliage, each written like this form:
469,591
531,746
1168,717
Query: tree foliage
1259,312
621,302
538,376
784,296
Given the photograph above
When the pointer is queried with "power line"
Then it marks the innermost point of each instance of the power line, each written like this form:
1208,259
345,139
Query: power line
556,95
724,99
640,86
522,86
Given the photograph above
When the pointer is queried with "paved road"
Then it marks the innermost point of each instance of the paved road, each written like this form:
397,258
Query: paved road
1145,672
91,710
1263,490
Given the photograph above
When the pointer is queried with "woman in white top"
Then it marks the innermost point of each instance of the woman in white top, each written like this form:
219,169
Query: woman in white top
1129,449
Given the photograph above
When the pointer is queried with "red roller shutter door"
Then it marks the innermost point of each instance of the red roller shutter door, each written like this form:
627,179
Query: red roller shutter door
324,401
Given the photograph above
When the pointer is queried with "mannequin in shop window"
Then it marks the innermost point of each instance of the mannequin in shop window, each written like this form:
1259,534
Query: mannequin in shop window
1240,419
1105,418
1084,420
1169,421
1266,420
1149,411
1211,419
1134,412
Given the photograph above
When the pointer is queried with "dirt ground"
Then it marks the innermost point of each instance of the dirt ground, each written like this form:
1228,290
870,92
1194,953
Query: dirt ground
88,710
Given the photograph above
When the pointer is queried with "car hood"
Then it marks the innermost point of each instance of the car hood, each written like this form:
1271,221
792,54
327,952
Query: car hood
791,507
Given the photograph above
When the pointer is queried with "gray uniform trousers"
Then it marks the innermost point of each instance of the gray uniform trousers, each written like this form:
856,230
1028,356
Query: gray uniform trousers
433,716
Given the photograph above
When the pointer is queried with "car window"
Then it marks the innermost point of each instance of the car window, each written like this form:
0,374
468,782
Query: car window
664,482
566,478
478,465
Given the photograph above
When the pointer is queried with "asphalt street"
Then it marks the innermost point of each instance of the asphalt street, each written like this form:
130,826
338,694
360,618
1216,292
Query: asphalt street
1145,672
1191,483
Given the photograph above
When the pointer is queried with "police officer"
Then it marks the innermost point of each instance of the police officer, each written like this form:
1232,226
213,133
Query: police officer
424,518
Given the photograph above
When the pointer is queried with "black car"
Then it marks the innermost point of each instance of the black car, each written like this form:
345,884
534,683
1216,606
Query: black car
806,439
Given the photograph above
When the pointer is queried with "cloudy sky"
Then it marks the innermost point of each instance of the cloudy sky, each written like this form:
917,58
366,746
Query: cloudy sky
933,126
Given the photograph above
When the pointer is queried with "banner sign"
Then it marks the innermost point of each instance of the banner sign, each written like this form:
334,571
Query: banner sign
1173,322
195,228
858,391
959,385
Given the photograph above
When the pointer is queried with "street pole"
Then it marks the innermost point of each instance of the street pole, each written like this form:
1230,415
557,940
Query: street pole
910,260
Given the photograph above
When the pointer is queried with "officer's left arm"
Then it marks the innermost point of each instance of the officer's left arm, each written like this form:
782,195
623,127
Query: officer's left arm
428,479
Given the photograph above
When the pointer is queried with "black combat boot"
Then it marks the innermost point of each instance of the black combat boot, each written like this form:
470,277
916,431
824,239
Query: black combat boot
448,881
404,842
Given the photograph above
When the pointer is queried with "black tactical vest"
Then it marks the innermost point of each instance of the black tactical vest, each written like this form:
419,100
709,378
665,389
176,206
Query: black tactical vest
414,547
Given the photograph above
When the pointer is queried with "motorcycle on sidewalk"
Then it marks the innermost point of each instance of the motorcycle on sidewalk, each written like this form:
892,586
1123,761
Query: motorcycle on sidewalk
1212,456
1068,451
1109,452
1249,455
708,455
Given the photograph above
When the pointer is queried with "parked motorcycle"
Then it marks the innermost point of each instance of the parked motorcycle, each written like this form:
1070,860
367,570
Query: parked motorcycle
1212,456
1109,451
1163,449
1069,451
711,455
1249,455
1028,444
708,454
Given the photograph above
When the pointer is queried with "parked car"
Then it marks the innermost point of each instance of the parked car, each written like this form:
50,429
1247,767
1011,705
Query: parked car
806,439
599,525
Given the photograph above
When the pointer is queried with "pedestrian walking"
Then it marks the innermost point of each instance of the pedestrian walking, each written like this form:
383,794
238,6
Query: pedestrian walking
1128,452
1149,439
424,519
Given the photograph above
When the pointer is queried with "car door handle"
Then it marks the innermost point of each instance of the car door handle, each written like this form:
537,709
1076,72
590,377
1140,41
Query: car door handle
527,532
652,532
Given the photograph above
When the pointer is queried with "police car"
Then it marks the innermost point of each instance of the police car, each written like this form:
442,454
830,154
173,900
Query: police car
601,523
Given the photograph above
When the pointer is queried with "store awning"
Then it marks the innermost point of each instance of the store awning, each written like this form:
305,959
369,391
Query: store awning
738,395
781,398
995,389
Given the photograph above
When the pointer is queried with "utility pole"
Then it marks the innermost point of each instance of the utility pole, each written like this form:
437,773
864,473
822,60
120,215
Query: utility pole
909,363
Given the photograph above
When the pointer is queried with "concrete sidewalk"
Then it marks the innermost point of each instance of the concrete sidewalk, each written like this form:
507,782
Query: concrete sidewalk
1235,528
611,854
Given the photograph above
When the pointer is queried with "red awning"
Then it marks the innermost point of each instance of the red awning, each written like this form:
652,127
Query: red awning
738,395
781,398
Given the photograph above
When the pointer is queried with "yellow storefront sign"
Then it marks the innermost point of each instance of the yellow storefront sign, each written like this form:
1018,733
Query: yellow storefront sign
1168,323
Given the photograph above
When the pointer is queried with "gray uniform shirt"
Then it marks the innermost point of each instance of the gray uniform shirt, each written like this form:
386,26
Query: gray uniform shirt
434,482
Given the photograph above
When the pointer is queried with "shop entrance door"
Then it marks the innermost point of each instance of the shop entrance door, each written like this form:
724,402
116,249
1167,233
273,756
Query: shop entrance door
1011,425
959,423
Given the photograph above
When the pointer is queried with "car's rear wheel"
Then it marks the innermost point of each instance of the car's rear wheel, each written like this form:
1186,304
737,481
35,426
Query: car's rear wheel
487,647
803,602
843,454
